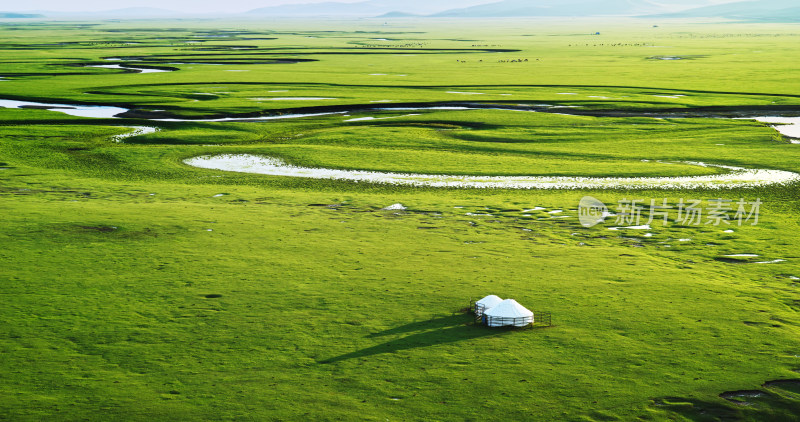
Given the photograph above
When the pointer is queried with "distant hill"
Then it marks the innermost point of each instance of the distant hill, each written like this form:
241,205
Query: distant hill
564,8
366,8
761,10
791,14
5,15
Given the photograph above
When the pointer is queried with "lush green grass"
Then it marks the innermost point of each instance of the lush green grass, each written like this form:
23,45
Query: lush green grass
136,287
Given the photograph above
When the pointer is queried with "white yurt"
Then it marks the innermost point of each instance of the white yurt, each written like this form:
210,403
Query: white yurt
508,313
486,303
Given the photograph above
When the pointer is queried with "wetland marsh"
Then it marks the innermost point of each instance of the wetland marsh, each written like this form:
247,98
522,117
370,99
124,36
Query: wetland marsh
139,287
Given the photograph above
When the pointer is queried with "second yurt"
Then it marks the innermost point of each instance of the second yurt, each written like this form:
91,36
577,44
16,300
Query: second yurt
486,303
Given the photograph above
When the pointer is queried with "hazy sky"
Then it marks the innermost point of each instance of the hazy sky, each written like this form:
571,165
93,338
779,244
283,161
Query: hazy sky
230,6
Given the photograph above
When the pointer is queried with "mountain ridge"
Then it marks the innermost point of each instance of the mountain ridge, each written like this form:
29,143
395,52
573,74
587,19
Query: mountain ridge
556,8
749,10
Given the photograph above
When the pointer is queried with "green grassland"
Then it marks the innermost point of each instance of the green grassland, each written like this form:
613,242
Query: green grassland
136,287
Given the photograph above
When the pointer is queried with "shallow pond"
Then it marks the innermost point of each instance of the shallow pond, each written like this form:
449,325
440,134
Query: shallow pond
71,109
788,126
119,66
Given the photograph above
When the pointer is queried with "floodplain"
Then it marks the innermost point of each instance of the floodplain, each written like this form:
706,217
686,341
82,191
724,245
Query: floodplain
136,286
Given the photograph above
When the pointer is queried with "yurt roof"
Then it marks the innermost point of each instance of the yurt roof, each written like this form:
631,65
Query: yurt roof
509,308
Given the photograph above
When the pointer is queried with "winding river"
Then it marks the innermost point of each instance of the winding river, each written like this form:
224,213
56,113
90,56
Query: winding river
735,177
